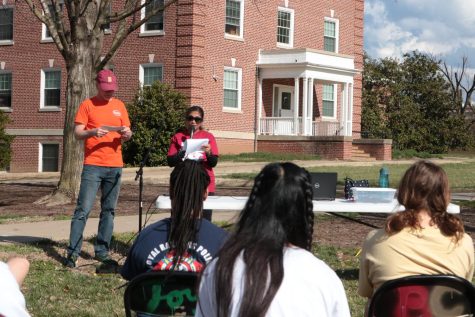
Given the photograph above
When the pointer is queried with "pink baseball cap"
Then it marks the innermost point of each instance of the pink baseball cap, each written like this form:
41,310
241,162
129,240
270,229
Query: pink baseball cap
107,80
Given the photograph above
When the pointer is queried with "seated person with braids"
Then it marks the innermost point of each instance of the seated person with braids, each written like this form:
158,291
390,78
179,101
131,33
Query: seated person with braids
184,242
266,267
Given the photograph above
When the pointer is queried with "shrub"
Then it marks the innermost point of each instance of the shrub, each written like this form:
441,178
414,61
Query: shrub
156,114
5,141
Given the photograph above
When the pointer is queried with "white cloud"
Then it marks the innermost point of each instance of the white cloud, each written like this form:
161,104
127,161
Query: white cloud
438,27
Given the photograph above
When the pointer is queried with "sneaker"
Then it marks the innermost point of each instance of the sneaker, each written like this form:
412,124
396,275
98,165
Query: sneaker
71,261
107,260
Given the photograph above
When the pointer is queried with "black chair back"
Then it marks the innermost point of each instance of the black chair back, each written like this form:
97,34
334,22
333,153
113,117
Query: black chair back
162,293
424,296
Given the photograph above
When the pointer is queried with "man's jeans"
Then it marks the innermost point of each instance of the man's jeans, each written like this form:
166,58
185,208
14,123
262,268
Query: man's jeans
92,178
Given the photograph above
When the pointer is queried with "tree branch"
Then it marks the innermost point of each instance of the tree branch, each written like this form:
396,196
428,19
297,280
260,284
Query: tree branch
123,30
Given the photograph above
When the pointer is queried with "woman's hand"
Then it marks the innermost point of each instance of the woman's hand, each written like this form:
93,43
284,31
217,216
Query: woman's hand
206,148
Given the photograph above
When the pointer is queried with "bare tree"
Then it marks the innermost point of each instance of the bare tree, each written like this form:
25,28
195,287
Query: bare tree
461,84
78,33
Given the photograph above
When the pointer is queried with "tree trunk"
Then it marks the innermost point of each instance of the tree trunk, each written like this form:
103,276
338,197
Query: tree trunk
80,86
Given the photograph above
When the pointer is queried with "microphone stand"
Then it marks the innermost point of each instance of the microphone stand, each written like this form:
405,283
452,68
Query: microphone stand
139,176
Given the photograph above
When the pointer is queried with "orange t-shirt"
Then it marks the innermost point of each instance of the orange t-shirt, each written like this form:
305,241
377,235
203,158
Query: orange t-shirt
106,150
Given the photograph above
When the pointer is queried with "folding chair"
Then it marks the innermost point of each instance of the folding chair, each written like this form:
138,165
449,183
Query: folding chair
424,296
161,293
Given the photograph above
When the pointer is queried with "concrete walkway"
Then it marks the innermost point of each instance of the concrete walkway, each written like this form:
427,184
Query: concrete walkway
59,230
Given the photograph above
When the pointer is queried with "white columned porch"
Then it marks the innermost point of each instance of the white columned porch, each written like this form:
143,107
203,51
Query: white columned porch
311,65
296,105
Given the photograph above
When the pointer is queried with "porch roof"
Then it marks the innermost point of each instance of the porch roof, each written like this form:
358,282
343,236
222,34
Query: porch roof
308,63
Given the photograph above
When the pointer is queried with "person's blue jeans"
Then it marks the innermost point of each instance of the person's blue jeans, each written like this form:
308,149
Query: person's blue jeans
92,178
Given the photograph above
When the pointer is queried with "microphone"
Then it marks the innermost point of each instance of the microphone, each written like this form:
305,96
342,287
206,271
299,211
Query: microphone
192,131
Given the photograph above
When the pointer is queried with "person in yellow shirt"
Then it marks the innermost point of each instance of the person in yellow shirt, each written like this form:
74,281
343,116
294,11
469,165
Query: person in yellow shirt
103,123
422,239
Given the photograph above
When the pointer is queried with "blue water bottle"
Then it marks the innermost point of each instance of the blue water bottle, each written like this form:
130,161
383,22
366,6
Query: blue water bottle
384,177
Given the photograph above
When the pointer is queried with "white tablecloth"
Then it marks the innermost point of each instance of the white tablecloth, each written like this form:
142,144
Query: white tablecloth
319,206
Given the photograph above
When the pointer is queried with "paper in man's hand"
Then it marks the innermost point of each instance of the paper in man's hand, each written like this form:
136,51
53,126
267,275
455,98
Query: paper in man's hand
112,128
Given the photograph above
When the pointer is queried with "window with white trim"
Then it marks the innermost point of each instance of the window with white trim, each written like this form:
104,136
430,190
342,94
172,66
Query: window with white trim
330,35
232,88
149,73
328,101
50,88
153,26
5,90
234,18
107,26
285,27
45,33
6,24
49,157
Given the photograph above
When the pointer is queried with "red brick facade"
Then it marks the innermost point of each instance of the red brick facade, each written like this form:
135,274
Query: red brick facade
194,51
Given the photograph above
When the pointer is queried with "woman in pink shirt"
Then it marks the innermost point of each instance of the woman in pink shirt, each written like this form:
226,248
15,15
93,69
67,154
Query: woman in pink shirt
209,153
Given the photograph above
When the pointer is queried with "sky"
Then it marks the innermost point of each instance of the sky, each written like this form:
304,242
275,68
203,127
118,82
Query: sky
443,28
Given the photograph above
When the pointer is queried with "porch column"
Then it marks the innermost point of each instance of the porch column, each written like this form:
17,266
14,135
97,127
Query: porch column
310,107
350,108
347,109
259,106
296,105
344,110
304,130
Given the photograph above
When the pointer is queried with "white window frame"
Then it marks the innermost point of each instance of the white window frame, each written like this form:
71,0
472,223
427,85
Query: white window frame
337,33
10,41
143,31
109,29
334,102
40,154
239,88
44,29
8,109
240,36
142,72
291,32
43,87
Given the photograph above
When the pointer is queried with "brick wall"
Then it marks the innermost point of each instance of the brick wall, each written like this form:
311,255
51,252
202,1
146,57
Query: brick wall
26,152
234,146
193,52
337,147
381,149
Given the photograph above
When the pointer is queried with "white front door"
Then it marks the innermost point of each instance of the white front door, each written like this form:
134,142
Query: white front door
285,101
283,109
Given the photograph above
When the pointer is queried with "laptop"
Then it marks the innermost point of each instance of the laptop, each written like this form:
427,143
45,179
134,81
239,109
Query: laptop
324,185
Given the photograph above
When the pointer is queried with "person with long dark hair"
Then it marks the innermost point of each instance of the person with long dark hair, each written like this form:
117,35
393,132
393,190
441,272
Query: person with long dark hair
194,117
265,268
422,239
185,241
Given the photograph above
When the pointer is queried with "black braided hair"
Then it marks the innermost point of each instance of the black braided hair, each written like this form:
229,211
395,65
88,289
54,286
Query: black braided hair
279,212
188,183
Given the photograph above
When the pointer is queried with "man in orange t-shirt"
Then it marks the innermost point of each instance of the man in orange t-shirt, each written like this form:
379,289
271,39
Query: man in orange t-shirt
103,123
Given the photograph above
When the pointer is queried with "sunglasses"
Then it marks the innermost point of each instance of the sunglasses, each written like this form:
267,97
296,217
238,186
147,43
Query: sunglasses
197,119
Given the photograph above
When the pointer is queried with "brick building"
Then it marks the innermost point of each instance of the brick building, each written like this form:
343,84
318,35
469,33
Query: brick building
279,75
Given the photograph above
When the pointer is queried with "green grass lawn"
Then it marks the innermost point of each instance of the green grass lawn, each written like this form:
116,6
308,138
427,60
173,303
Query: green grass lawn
461,175
52,290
